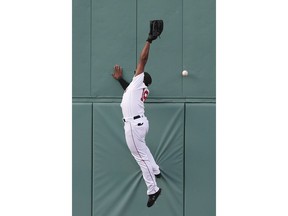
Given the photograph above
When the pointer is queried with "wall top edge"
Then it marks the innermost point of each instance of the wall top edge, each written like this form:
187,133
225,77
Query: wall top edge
150,100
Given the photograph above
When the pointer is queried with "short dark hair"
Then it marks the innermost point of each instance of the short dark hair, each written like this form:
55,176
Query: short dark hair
147,79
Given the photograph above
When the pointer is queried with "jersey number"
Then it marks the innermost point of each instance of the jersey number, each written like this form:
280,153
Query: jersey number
144,95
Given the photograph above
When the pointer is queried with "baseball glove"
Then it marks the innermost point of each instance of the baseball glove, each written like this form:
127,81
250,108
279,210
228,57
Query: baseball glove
156,28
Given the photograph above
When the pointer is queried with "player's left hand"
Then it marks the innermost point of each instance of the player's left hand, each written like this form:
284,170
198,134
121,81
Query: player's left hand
156,28
118,72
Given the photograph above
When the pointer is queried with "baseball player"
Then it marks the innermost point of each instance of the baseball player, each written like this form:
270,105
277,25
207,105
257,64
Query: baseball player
136,124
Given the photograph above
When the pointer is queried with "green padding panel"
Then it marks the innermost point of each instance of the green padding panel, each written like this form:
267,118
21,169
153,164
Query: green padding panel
199,48
113,42
165,58
82,159
81,47
200,168
118,187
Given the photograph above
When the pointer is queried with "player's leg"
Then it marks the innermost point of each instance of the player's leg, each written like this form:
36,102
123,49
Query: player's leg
154,165
135,141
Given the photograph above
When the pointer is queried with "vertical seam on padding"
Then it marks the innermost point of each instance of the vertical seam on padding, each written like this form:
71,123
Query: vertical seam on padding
92,158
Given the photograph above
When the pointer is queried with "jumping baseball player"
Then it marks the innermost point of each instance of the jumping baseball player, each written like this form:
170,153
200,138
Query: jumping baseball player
136,124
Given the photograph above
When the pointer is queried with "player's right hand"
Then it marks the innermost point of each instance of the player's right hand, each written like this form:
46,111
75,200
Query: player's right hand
118,72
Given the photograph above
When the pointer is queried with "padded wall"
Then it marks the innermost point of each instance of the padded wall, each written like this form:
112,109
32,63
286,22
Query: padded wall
200,161
82,159
118,187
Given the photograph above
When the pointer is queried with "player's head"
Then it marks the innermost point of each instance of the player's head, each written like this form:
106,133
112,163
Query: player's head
147,79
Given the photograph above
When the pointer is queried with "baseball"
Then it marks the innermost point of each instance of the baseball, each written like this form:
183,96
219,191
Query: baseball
184,73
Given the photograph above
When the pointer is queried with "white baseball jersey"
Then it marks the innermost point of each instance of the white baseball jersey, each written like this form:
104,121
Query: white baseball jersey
136,129
134,97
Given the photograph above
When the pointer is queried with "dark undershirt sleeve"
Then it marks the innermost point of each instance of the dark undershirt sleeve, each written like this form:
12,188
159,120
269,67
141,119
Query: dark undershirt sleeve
123,83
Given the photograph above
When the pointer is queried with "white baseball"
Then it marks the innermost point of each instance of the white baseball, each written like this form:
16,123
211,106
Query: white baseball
184,73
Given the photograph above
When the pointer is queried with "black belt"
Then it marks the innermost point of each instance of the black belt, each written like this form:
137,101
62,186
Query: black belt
135,117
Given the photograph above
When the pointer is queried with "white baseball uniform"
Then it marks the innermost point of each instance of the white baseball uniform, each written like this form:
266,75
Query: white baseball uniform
136,127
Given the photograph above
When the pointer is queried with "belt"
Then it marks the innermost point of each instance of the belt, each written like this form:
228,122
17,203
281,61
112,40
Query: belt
134,118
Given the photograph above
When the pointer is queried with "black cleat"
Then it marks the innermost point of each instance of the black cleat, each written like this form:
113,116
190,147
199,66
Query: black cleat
158,175
153,197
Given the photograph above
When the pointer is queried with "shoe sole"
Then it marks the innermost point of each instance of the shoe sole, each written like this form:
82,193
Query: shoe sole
157,195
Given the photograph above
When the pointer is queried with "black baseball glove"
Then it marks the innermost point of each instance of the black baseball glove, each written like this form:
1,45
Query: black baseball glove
156,28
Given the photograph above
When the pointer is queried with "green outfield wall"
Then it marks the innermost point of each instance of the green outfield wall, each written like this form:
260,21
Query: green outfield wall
181,110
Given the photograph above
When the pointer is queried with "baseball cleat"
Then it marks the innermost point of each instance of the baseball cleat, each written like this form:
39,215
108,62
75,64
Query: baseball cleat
153,197
158,175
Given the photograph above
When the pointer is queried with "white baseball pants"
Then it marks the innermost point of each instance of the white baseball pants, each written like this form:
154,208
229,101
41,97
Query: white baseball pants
135,132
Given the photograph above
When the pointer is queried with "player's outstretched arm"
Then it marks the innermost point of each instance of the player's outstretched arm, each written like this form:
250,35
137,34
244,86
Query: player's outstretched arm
143,59
156,28
118,75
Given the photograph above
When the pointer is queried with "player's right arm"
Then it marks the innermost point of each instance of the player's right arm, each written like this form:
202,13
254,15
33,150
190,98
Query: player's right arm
118,75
